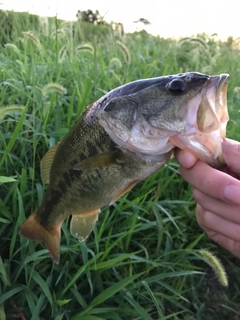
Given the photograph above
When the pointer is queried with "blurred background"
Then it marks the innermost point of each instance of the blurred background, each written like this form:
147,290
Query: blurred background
166,18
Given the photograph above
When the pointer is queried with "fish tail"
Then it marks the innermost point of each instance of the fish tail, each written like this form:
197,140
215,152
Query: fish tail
33,230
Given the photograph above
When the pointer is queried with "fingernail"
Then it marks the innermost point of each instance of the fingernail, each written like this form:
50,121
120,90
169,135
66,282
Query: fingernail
232,193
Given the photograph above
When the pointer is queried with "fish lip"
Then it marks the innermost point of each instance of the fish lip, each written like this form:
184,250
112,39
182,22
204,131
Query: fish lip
220,82
221,92
224,78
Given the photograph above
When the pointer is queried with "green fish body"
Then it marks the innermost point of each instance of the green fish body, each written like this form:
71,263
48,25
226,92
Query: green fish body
119,141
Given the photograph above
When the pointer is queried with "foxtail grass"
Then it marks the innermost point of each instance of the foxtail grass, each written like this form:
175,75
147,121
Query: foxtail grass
125,51
54,87
217,266
31,36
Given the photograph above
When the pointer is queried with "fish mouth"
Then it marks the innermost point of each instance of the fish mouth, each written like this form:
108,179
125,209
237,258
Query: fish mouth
206,122
214,103
197,122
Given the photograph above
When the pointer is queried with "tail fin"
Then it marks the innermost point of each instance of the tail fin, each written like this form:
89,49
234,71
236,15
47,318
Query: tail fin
33,230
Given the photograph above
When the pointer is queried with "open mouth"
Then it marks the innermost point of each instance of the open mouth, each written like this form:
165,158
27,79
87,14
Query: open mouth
212,113
206,125
221,103
212,116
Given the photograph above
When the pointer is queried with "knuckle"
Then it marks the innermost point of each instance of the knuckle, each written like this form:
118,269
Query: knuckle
236,233
197,195
236,249
204,218
200,215
238,148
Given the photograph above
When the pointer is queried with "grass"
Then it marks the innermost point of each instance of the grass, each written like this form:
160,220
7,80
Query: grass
142,261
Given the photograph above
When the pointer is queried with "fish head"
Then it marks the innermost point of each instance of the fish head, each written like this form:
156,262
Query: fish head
188,111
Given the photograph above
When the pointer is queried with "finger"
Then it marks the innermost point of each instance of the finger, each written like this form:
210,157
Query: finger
231,154
185,158
223,209
225,241
216,184
209,221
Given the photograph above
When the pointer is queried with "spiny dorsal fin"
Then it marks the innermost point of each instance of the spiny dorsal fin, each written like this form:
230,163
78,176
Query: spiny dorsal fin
82,224
100,160
46,163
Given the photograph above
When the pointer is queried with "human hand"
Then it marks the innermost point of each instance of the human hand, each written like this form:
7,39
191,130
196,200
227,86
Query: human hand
217,194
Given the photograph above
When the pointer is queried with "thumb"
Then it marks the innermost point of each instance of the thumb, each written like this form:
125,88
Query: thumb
231,154
185,158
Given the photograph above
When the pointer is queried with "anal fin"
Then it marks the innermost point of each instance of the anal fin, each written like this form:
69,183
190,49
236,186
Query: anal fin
82,224
33,230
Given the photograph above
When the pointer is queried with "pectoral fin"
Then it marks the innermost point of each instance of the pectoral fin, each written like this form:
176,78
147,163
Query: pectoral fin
83,224
99,161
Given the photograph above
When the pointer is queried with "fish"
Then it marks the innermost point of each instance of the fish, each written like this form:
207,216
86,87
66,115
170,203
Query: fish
120,140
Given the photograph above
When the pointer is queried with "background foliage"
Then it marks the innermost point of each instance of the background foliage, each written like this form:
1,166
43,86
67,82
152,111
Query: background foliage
142,260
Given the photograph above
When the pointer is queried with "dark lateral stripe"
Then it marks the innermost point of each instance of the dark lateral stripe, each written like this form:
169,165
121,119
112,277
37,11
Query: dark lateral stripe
54,195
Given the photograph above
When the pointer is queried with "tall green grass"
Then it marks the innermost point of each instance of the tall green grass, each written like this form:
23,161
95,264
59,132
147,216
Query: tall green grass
142,261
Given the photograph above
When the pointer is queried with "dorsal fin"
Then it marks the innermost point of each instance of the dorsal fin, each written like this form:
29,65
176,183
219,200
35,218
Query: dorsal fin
46,163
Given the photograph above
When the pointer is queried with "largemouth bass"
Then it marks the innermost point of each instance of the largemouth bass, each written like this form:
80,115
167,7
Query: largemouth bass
120,140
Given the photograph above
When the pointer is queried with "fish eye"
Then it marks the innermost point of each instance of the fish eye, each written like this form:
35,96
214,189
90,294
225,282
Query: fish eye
177,86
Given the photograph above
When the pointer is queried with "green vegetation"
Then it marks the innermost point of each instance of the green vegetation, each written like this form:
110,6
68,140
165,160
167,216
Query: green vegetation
142,261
